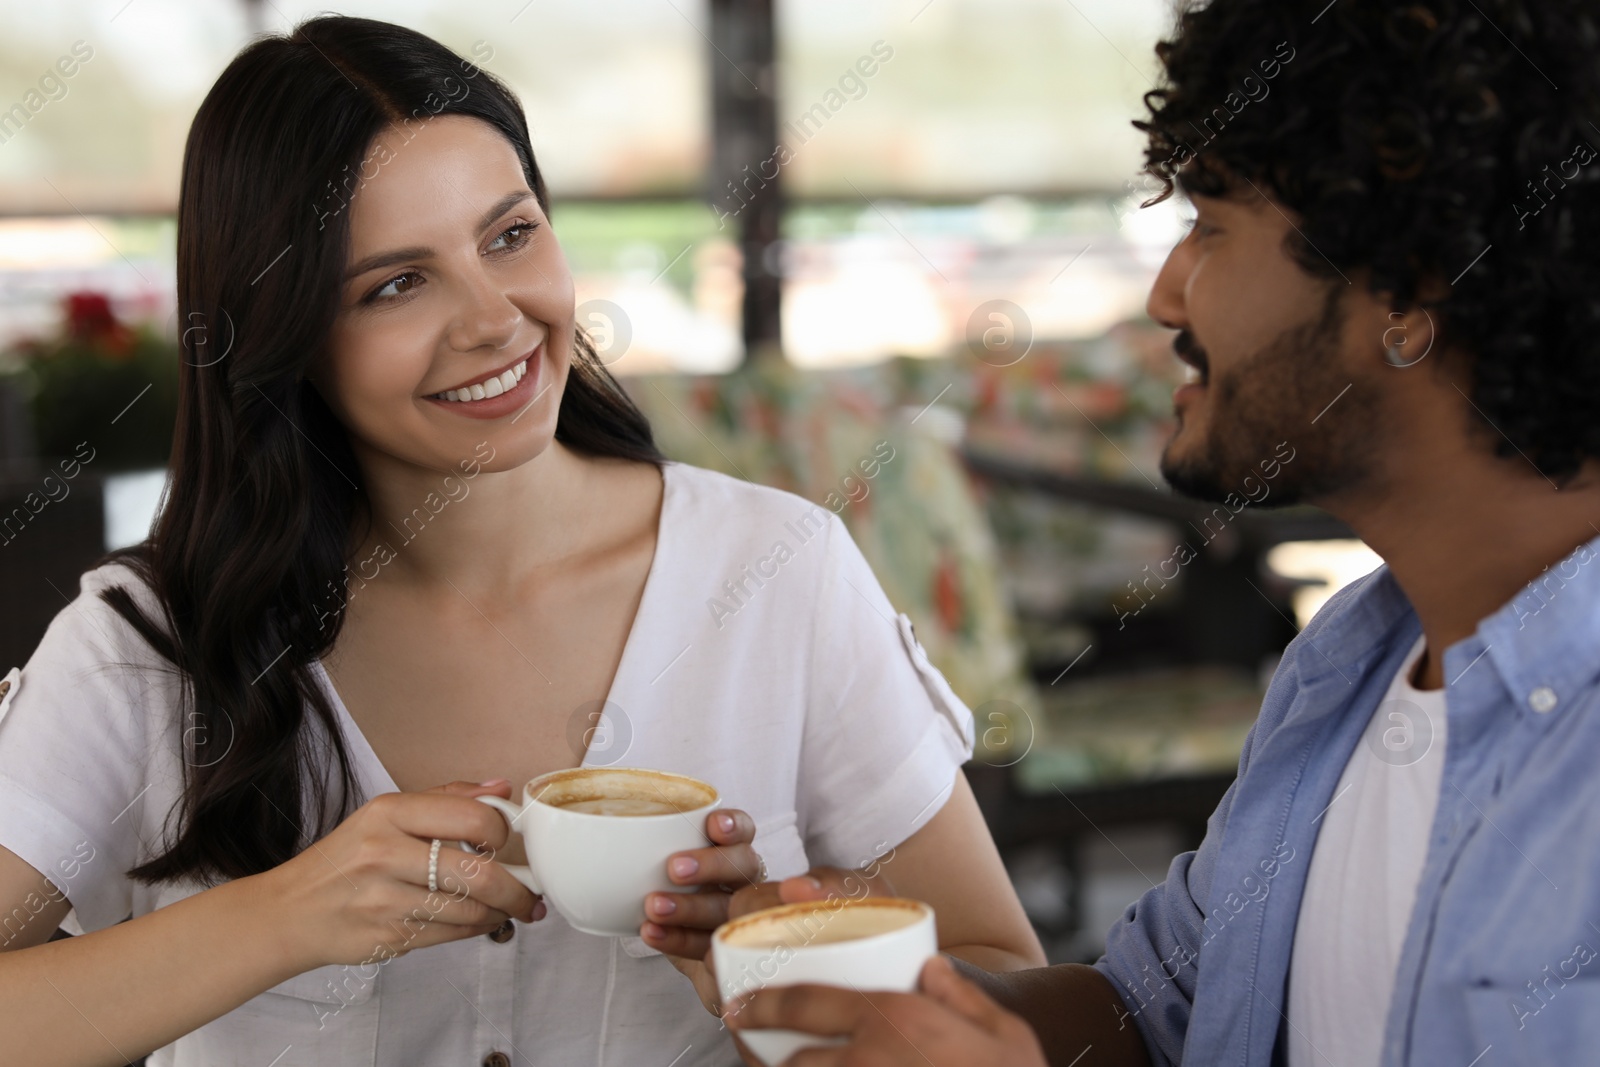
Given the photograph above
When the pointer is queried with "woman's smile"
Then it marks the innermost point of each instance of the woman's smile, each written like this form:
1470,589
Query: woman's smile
498,392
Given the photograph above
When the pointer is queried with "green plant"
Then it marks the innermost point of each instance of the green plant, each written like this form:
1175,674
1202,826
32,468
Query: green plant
103,382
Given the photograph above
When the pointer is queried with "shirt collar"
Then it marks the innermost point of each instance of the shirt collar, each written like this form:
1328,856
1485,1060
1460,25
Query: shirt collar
1547,637
1342,641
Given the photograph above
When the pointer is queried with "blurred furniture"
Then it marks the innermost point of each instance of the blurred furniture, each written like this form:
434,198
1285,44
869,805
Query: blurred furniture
46,542
841,440
1230,608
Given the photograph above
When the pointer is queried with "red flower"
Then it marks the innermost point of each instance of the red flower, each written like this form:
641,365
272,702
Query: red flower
947,599
90,319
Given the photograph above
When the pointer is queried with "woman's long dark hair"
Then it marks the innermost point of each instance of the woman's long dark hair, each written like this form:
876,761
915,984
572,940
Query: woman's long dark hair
248,558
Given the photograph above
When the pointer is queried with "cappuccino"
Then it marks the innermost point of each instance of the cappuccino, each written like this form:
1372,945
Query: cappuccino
598,840
800,925
621,792
620,806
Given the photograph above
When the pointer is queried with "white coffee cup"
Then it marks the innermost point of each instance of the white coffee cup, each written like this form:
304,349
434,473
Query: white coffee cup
596,848
872,945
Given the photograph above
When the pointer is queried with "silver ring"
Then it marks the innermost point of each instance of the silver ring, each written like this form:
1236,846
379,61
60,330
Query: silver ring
433,866
761,871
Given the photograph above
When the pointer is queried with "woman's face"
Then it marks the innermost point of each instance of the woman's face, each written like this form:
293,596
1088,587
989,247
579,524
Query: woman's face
454,281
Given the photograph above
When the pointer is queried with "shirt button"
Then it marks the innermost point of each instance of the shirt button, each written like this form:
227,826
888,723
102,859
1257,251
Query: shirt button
500,935
1542,699
497,1059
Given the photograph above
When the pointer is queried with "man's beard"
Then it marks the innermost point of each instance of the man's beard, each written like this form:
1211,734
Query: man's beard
1284,393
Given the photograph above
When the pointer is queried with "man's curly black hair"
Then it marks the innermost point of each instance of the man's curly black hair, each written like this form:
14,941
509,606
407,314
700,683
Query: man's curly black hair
1416,140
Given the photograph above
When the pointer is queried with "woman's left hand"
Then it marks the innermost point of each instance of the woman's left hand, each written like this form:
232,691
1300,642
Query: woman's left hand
679,925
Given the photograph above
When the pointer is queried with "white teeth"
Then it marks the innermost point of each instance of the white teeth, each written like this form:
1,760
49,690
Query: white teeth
491,387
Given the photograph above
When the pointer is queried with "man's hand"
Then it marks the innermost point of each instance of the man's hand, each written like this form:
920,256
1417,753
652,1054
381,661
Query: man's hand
950,1023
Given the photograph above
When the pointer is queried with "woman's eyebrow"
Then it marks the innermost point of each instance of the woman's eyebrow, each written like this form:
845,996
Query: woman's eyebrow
401,255
387,259
503,205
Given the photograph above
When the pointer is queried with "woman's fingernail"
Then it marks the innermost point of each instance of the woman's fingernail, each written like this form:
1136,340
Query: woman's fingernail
539,911
725,822
663,905
652,931
496,781
684,866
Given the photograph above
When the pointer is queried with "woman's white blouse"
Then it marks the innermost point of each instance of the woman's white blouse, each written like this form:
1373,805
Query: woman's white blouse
764,659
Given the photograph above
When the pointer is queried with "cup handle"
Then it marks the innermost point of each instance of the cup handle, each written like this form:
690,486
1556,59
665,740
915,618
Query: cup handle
512,813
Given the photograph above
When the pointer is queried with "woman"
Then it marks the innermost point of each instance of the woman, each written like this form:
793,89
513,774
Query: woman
415,533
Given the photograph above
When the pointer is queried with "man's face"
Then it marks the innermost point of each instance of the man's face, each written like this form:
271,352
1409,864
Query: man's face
1272,358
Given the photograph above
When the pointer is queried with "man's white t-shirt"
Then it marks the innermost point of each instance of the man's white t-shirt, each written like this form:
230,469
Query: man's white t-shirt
1363,880
764,658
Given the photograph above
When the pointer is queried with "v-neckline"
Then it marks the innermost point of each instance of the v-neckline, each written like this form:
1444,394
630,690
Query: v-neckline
357,738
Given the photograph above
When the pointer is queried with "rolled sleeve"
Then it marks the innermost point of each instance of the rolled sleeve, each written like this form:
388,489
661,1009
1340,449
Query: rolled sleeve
1150,957
73,764
885,735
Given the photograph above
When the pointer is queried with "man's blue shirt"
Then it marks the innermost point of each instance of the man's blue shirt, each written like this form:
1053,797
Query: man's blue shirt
1501,960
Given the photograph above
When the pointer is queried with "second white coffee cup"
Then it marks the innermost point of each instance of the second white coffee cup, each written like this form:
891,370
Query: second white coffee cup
874,944
598,839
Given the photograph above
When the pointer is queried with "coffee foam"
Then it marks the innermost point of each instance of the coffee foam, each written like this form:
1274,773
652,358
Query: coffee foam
600,788
822,923
621,806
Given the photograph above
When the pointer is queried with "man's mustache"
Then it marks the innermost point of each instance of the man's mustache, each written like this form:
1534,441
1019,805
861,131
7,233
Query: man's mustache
1190,352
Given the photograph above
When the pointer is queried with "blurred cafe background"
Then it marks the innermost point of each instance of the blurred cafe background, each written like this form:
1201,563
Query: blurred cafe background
924,312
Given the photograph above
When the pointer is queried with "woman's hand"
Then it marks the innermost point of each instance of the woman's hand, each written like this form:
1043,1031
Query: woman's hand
679,925
817,884
360,895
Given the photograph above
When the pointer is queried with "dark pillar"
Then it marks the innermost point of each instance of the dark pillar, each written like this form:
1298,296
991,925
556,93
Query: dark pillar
256,16
745,176
43,552
16,428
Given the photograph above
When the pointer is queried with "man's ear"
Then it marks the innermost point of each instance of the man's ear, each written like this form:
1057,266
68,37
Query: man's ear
1410,334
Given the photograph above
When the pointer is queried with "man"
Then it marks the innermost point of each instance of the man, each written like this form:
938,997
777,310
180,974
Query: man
1394,281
